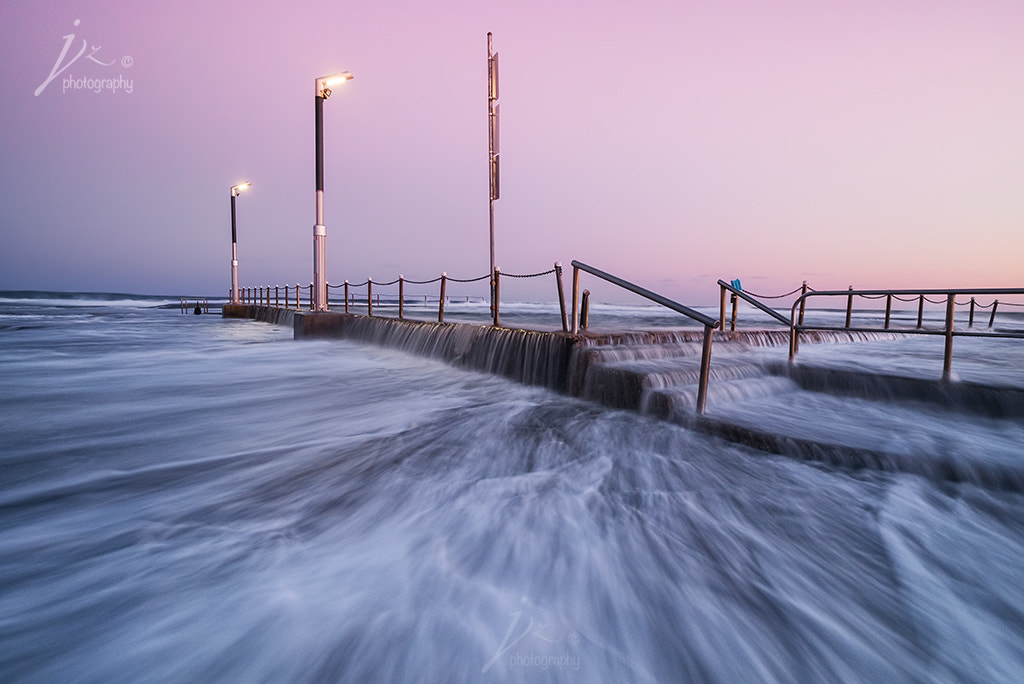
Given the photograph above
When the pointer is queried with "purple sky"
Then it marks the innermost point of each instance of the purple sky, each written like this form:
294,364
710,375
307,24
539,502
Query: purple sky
879,144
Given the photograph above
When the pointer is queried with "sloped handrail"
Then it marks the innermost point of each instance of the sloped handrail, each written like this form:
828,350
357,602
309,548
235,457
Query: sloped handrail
709,323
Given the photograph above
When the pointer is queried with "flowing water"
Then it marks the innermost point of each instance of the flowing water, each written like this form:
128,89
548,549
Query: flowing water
187,498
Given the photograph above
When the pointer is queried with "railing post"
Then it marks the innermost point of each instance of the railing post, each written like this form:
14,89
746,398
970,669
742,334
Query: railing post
970,321
298,296
277,296
732,319
575,297
346,296
705,371
888,309
401,296
497,289
311,296
721,308
920,311
440,303
369,296
803,302
947,358
992,318
849,307
561,296
268,296
585,311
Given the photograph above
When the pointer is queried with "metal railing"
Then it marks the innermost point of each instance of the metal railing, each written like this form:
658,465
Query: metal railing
271,295
948,331
201,306
738,293
709,323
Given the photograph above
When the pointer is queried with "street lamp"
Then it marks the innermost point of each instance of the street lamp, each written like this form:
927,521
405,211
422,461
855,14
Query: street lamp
235,191
323,91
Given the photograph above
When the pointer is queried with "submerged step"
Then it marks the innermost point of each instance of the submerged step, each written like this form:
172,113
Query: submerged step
907,436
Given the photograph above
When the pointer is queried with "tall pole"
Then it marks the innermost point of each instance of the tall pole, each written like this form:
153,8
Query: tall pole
319,229
493,150
234,252
235,190
318,297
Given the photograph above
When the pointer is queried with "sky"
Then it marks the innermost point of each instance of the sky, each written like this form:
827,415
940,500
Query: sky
878,144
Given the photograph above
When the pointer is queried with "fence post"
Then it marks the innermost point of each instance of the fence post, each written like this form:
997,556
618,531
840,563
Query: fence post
849,307
970,321
705,371
369,296
585,310
575,296
561,295
440,304
277,296
888,309
803,302
732,321
920,311
497,288
993,316
721,310
401,296
311,296
947,358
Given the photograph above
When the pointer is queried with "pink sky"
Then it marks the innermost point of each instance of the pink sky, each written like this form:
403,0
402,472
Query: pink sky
879,144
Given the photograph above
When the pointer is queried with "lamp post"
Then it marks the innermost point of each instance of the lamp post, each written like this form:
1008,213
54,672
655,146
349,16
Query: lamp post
235,191
323,91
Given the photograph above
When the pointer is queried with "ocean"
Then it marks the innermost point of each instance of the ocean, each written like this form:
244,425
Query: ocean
189,498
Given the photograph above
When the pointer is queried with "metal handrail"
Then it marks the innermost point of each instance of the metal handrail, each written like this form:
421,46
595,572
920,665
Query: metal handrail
709,323
948,331
747,298
643,292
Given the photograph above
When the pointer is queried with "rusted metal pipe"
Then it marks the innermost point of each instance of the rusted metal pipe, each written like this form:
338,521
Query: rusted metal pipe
920,311
561,296
575,296
440,304
992,318
369,296
497,290
888,309
705,371
849,307
732,319
585,311
721,307
803,302
947,357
